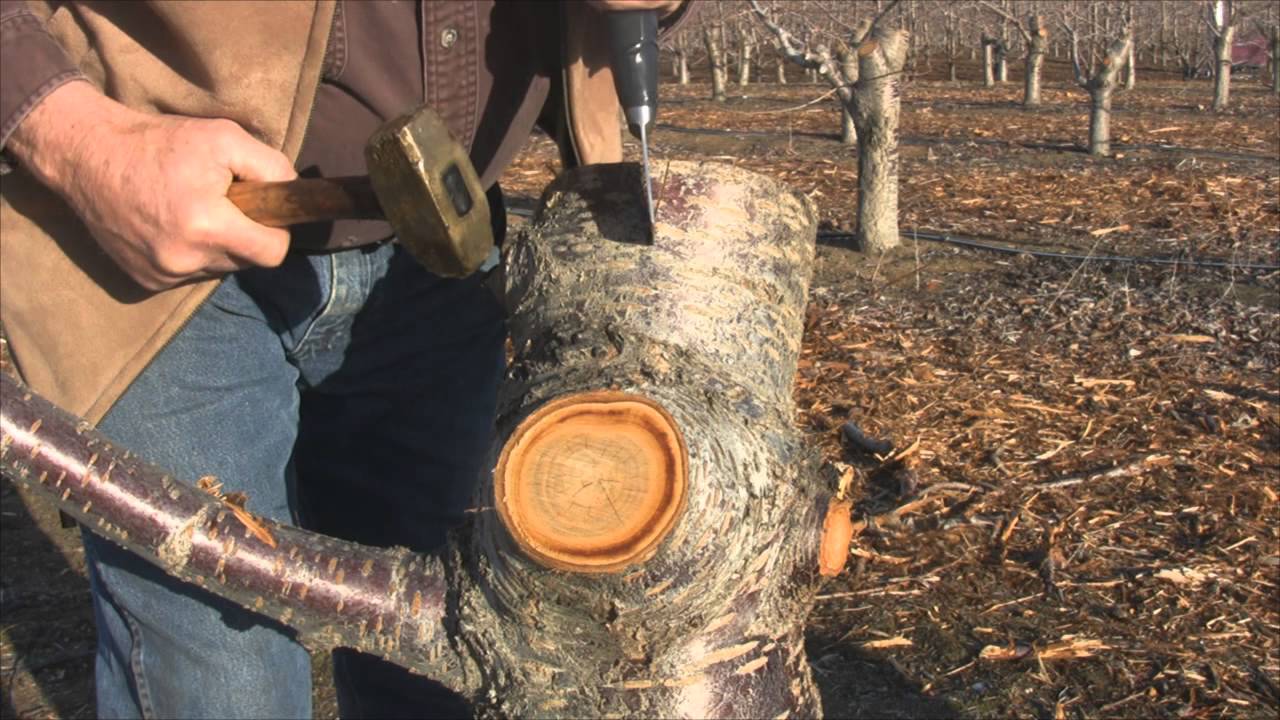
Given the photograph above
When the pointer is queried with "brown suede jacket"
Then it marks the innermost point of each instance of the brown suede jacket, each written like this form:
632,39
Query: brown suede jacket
80,331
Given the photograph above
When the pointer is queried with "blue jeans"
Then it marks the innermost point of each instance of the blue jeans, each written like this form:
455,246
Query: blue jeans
351,393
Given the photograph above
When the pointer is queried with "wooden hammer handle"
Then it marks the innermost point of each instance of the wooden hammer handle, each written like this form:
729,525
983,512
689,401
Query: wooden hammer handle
280,204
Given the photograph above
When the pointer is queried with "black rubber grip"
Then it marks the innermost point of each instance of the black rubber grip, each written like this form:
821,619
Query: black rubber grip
633,44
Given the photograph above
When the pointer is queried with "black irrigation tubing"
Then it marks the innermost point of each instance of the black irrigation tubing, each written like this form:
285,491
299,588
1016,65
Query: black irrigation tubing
931,140
1131,260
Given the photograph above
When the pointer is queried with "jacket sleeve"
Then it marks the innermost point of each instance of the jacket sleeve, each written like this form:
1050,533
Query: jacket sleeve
32,65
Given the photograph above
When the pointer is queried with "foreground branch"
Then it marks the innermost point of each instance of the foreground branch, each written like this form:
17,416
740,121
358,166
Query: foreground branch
389,602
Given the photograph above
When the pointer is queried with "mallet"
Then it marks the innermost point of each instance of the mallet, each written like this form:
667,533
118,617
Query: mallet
420,180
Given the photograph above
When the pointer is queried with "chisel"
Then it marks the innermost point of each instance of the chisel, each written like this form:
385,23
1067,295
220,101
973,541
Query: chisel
633,41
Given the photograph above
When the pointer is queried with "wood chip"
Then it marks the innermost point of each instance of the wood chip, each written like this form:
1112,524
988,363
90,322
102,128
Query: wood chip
892,642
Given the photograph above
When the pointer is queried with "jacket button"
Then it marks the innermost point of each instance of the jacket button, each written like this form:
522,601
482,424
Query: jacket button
448,37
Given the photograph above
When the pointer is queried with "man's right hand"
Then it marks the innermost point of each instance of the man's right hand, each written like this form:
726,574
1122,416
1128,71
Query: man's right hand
153,188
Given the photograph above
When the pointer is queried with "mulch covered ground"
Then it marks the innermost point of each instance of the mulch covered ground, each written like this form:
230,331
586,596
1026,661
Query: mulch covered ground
1078,514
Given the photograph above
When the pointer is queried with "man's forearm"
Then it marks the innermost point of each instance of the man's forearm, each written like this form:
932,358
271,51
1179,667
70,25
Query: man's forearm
32,66
50,136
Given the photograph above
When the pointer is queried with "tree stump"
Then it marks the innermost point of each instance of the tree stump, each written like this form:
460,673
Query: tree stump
647,544
673,570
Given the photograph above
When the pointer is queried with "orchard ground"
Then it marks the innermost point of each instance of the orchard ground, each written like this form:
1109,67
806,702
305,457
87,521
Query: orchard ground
1081,513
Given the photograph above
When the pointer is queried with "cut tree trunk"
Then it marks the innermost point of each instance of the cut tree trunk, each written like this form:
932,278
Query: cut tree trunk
648,543
877,106
782,70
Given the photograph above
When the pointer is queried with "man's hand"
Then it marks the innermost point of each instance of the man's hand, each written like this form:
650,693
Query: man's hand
153,188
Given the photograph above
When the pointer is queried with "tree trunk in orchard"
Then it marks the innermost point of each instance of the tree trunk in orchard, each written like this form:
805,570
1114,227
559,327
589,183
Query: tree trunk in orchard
647,544
746,47
1131,69
1002,61
988,62
680,59
715,56
1037,42
1100,87
1275,59
782,70
877,105
849,67
1100,120
1222,67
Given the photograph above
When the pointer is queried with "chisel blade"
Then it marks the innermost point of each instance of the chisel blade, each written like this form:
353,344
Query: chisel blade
648,179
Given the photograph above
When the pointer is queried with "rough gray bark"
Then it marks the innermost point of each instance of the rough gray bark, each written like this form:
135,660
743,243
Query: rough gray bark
1275,59
715,56
849,68
877,109
1037,37
1221,22
746,49
706,322
1130,69
680,59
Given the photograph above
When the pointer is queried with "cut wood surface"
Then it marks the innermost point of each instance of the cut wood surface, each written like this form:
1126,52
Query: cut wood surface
592,482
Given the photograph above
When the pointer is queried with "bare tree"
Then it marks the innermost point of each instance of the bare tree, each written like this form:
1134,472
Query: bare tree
993,52
680,53
1220,16
951,42
713,38
1131,64
1099,74
1275,57
1035,35
874,102
746,52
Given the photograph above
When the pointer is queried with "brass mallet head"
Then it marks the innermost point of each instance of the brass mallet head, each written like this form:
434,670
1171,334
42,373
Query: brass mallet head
430,193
